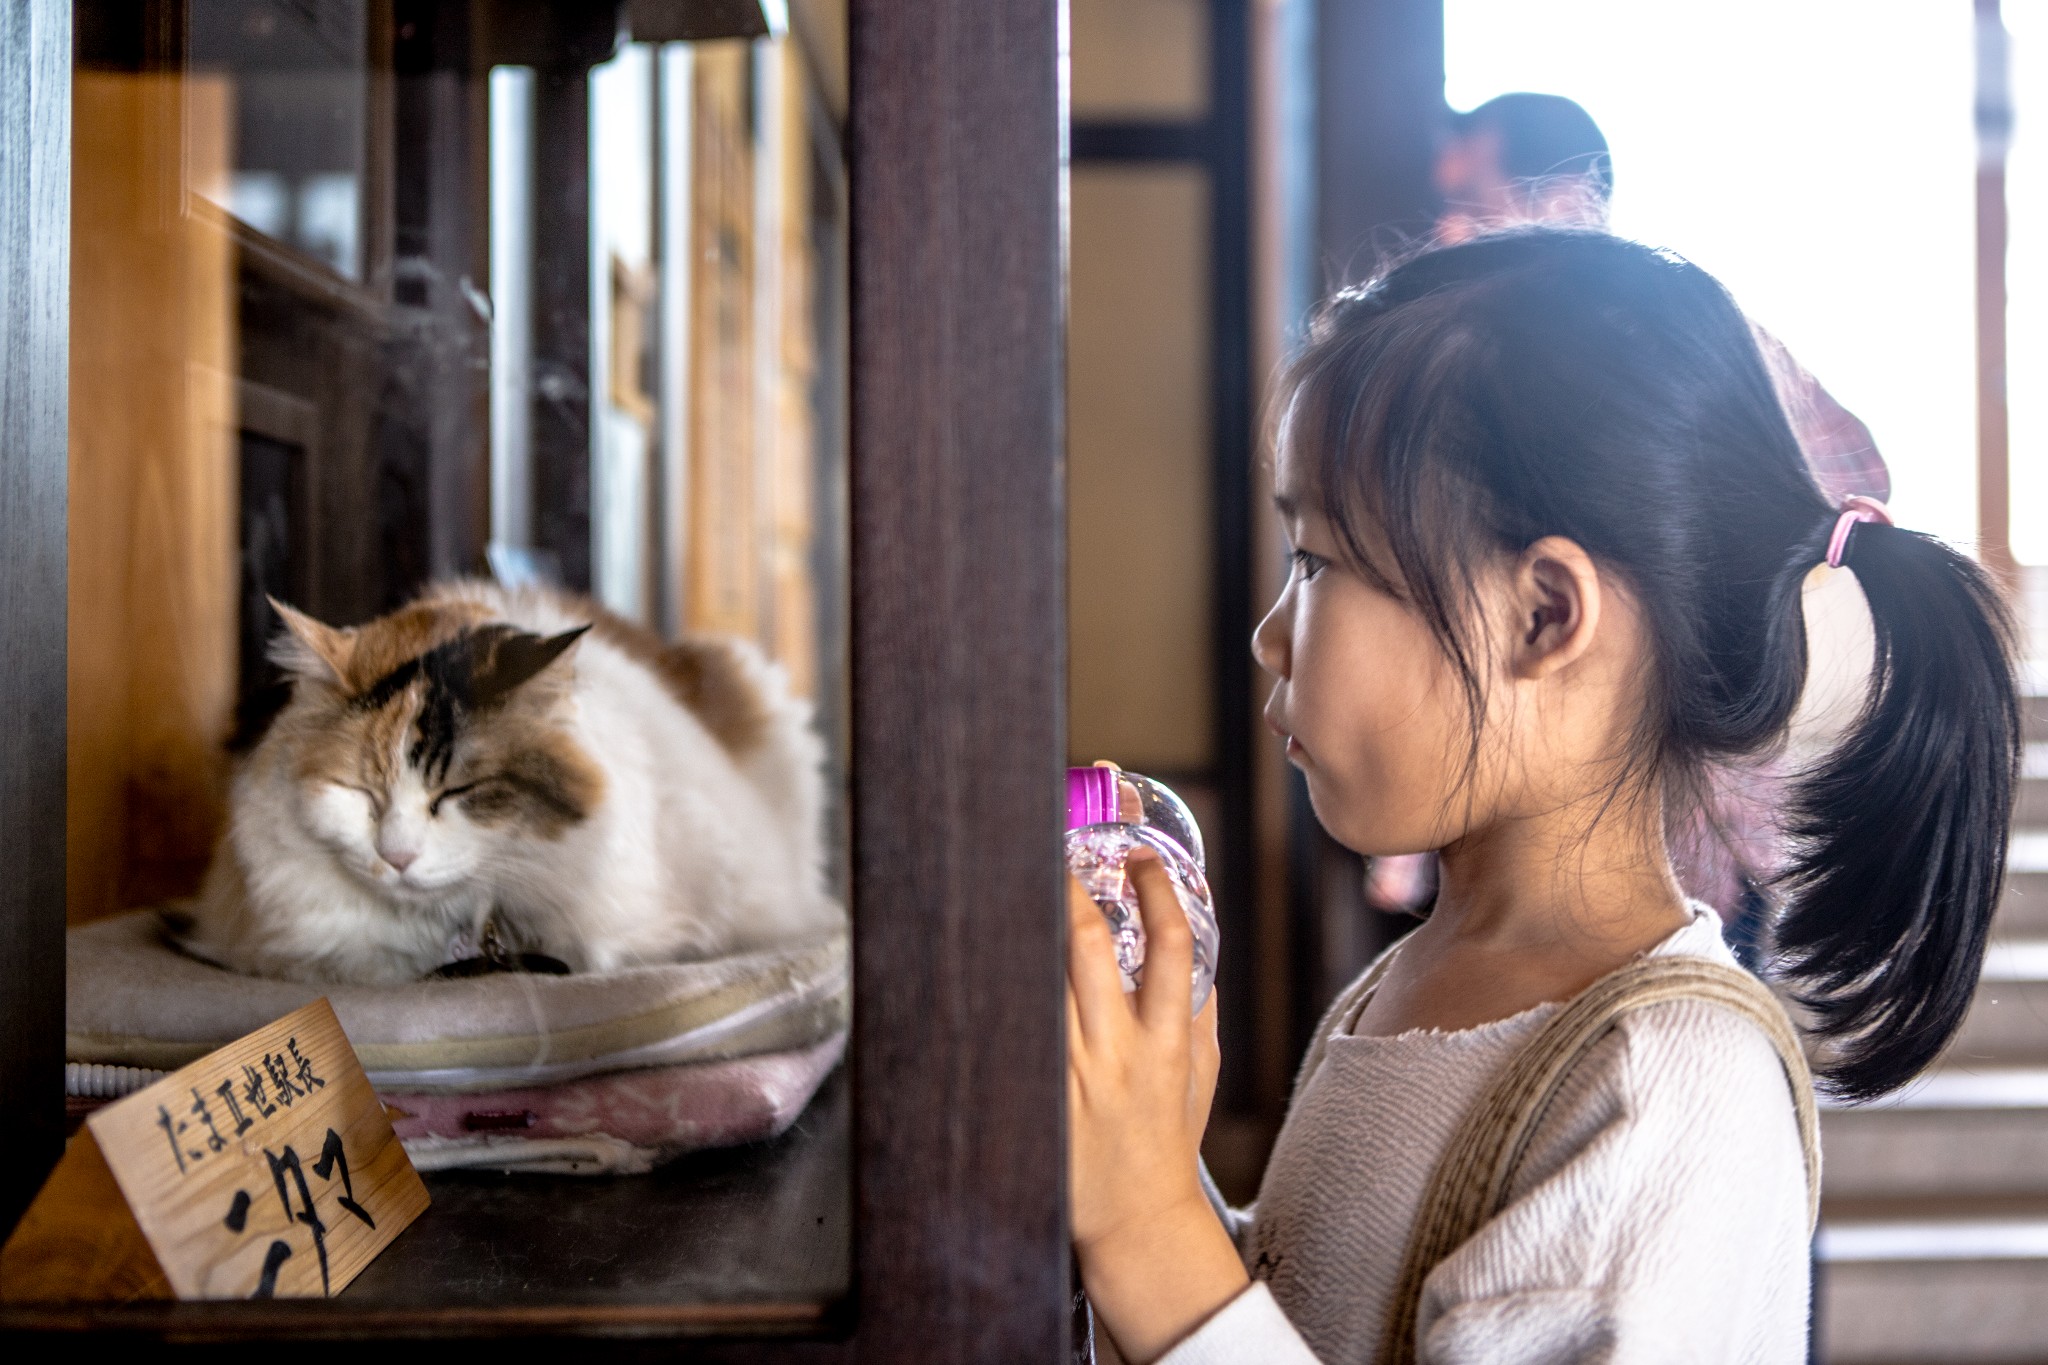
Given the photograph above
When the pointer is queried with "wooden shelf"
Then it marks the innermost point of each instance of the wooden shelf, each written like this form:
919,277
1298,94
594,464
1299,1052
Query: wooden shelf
746,1241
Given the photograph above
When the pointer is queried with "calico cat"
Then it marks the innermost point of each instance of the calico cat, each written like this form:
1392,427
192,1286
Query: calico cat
518,767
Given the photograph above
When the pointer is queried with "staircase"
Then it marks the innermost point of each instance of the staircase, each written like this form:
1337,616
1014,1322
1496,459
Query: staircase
1934,1221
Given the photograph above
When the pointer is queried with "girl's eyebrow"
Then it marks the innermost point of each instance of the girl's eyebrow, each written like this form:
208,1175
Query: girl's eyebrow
1287,505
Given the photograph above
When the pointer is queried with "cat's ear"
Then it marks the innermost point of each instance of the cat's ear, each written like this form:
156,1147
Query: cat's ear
311,649
516,658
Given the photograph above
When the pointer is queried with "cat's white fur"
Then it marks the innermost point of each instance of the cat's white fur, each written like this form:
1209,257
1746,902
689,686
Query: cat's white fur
691,851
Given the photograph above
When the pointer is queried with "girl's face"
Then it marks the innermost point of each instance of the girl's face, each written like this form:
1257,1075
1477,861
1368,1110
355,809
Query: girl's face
1369,706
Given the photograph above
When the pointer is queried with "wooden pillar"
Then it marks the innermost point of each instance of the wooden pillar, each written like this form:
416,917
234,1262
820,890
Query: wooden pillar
1284,277
1994,454
562,404
35,259
958,679
441,184
1230,271
153,497
1379,105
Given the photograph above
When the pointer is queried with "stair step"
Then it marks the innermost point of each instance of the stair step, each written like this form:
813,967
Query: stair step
2015,959
2025,907
2028,850
2008,1020
1933,1243
2032,806
2034,699
1896,1288
1928,1240
1956,1132
1904,1312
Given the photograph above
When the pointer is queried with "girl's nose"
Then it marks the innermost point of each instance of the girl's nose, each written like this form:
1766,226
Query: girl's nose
1270,640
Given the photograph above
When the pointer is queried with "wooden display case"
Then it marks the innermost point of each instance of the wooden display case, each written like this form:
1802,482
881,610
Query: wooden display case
950,1176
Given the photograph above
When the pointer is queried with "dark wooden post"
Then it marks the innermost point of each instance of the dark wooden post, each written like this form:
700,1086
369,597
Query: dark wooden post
562,404
439,356
1380,105
1994,141
1379,98
959,670
35,294
561,42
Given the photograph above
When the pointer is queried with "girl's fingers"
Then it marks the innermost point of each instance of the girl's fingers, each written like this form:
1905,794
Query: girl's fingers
1166,996
1093,982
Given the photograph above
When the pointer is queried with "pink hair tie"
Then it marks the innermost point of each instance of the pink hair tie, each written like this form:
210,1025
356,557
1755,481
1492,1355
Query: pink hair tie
1855,508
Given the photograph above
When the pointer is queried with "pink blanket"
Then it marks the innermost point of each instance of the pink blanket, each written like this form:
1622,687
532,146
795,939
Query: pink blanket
618,1123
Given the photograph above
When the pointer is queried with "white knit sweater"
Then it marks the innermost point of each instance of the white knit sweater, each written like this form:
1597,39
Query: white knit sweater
1660,1215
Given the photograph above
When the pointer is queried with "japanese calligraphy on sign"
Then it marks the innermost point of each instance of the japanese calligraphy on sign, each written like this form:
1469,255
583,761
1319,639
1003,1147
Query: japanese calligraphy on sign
267,1169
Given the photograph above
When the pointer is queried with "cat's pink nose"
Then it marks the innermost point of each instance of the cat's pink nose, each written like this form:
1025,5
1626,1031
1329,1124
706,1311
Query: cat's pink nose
399,858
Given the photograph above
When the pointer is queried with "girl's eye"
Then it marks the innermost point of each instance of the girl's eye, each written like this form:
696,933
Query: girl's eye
1308,564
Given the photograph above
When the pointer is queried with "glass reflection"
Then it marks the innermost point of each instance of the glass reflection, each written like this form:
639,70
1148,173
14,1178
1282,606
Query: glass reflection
300,87
381,298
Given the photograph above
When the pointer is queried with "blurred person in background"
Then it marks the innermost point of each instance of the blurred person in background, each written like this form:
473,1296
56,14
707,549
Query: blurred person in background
1526,158
1522,158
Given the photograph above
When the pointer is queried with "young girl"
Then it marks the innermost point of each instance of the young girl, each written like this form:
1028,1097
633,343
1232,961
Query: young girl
1551,536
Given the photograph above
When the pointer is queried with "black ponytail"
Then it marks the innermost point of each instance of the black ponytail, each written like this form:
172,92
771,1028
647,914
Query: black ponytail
1900,834
1478,397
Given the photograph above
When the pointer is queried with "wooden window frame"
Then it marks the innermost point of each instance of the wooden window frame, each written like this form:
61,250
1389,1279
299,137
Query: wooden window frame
958,697
1216,141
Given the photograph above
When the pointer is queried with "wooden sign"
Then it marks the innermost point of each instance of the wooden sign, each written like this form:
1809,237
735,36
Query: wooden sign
267,1169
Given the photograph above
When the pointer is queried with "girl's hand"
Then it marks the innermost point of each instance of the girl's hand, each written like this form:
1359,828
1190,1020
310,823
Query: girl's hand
1140,1079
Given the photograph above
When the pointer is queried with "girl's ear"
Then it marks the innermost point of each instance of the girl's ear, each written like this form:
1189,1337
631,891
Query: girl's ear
311,649
1555,592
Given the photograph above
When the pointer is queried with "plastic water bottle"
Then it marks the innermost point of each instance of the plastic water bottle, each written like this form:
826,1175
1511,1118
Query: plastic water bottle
1110,814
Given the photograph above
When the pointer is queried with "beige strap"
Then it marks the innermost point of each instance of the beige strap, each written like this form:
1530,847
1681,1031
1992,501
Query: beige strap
1471,1182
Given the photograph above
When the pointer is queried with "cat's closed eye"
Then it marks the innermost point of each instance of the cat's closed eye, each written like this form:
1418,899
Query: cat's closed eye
375,798
450,793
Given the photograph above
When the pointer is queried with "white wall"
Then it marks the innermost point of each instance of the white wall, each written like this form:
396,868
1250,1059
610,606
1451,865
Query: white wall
1816,155
2026,281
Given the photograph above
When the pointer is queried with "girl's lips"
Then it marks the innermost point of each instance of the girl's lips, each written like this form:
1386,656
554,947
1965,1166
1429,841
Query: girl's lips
1294,750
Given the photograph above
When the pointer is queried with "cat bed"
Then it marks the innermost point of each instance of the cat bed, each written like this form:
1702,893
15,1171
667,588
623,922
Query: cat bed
616,1124
595,1071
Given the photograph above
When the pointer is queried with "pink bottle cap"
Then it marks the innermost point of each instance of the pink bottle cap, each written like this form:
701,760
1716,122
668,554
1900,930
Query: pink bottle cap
1091,797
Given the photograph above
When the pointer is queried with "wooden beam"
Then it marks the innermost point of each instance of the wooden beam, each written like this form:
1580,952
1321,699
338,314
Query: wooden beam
667,21
35,264
562,405
959,675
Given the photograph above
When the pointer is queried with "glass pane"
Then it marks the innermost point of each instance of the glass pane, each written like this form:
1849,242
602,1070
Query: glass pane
1139,523
459,513
1140,59
297,79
